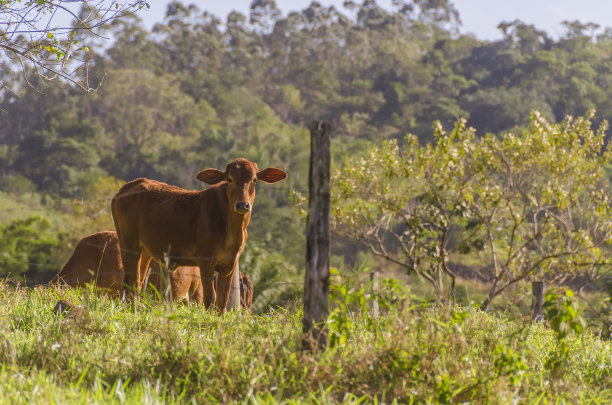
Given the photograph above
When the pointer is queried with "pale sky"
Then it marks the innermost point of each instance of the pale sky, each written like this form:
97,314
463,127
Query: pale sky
478,16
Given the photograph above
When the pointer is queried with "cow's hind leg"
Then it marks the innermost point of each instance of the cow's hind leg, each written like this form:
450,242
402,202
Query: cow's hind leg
197,292
130,254
143,269
131,279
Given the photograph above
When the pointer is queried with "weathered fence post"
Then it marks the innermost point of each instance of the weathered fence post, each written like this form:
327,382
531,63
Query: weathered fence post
537,288
233,303
316,286
374,293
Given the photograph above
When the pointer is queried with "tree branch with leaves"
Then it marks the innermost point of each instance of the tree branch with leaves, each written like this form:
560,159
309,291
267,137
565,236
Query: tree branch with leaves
49,39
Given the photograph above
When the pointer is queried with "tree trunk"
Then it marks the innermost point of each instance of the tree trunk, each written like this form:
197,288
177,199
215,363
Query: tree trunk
316,286
537,288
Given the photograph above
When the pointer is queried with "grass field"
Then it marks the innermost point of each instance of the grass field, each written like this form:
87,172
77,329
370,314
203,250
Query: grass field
155,353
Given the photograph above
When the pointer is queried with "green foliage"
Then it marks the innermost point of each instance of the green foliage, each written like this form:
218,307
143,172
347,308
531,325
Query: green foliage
182,353
277,282
168,109
346,303
562,313
48,45
511,363
18,185
28,249
150,117
350,301
512,201
565,320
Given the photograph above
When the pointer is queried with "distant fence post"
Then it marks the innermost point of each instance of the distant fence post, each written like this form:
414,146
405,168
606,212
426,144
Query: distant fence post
537,288
166,277
316,286
374,293
233,303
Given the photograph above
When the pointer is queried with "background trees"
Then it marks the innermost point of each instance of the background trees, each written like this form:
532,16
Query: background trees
195,92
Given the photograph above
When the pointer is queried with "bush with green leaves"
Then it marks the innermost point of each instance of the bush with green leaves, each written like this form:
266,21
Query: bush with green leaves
352,299
528,204
29,249
564,318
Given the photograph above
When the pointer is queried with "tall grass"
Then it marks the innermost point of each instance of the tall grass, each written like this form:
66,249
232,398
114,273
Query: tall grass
152,352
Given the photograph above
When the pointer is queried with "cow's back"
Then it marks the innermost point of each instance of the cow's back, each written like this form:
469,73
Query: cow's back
127,204
96,260
156,216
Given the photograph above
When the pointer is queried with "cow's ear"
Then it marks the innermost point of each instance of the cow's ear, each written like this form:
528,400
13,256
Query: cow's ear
211,176
271,175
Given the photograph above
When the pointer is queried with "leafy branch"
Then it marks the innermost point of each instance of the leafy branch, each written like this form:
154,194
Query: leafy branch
32,38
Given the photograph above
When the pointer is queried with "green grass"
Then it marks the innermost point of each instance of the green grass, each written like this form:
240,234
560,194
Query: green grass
152,353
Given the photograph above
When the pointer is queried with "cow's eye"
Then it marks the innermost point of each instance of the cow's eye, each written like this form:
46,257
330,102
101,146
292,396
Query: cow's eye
255,180
229,179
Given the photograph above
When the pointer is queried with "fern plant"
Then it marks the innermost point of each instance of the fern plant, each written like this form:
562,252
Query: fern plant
277,282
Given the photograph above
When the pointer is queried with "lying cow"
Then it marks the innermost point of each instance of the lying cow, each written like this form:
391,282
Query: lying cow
97,260
206,228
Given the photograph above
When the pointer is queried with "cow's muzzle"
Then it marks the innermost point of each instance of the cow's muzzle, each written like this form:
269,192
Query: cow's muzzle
243,207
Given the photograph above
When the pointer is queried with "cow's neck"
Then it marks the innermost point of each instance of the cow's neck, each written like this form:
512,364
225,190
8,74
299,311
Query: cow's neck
236,235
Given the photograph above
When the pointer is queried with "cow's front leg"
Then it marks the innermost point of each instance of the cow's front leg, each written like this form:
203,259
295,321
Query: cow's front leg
224,284
207,273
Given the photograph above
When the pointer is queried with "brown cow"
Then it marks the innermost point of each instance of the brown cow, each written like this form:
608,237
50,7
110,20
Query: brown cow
97,260
207,228
185,282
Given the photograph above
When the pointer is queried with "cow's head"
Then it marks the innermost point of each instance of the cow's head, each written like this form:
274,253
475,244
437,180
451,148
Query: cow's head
241,176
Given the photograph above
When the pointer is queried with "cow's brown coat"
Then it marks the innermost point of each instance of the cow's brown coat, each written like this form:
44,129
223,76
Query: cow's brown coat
97,260
206,228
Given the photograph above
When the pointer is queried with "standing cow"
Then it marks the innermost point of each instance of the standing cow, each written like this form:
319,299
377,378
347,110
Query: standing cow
207,228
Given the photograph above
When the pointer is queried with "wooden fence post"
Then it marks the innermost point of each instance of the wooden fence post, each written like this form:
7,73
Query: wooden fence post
167,282
374,293
316,285
537,288
233,303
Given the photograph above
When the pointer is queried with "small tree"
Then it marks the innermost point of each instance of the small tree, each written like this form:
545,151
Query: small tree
527,204
403,205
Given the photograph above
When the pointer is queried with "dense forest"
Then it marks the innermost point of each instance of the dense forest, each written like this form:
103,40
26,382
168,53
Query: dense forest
196,92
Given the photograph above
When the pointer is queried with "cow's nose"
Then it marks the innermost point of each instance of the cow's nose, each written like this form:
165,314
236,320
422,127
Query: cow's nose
243,207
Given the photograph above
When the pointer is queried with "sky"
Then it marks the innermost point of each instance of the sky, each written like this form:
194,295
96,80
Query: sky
479,17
